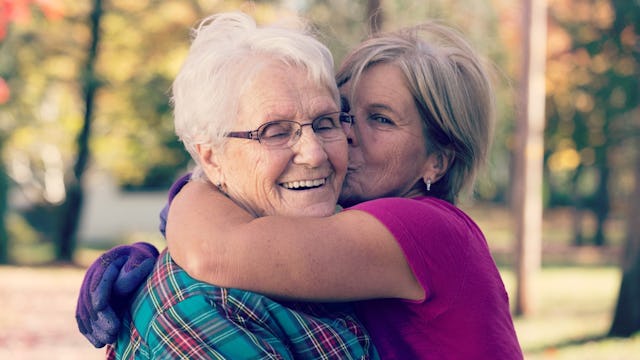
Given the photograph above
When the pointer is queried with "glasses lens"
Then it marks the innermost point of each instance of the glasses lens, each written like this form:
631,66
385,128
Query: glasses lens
277,133
328,126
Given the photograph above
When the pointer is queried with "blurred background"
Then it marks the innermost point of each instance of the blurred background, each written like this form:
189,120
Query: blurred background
88,152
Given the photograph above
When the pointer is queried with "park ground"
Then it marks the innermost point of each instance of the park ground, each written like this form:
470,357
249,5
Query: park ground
576,294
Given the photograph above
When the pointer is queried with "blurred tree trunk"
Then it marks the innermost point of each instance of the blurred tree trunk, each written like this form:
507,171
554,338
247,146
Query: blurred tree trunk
527,196
626,319
601,197
4,200
71,209
578,208
375,15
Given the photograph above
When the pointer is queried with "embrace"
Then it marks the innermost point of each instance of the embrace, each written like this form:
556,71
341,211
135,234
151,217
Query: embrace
261,262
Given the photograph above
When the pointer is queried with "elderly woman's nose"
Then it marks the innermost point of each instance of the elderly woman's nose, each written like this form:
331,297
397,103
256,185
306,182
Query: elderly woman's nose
309,149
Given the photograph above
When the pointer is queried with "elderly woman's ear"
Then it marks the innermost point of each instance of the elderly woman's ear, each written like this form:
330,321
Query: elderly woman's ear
210,163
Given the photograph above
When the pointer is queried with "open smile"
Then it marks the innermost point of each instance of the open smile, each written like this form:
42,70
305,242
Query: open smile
304,184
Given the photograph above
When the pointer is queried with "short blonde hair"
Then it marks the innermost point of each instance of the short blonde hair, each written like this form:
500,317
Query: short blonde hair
451,89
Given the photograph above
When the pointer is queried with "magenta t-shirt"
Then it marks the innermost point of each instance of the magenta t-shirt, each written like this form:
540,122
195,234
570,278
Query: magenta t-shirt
465,314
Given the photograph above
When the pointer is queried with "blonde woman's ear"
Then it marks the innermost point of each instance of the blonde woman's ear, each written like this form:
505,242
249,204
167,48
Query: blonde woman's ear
432,170
436,166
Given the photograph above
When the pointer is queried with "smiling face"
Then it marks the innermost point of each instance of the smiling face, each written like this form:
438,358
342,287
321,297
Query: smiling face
387,152
302,180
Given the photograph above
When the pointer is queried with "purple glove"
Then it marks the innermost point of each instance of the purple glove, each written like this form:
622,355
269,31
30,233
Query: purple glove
107,288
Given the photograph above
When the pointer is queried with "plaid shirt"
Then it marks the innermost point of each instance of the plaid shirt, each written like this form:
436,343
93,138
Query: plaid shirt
177,317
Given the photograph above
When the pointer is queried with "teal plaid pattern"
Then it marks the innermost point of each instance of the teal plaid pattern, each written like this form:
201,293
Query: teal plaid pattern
177,317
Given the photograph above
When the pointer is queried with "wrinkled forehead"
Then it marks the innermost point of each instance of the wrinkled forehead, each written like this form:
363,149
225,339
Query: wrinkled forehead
383,78
283,92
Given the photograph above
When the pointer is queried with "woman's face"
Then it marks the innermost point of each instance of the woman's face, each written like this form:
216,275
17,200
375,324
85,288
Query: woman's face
387,151
301,180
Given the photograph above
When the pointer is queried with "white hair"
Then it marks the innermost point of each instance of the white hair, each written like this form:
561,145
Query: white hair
226,52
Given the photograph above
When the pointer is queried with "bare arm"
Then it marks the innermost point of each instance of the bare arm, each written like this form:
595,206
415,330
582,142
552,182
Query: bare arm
347,256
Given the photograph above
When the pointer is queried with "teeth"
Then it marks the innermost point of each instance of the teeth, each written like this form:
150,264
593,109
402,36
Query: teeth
303,184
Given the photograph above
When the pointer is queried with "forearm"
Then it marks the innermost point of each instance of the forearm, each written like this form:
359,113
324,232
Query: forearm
210,237
347,256
198,219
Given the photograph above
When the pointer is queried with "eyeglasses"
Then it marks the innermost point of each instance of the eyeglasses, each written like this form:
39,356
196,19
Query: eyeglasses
281,133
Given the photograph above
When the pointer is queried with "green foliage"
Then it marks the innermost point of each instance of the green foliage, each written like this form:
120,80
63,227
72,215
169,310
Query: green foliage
44,60
593,78
142,46
592,85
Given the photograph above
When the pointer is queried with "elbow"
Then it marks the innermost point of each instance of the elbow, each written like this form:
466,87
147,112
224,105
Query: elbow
197,260
196,268
206,271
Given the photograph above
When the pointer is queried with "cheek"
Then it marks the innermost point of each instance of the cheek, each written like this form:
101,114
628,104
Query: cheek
382,158
337,152
392,164
387,169
267,170
255,172
408,163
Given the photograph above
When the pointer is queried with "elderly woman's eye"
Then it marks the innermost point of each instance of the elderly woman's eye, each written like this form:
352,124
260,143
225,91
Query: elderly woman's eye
276,130
325,123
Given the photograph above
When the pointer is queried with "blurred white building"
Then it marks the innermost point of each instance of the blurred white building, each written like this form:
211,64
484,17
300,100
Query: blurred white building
110,213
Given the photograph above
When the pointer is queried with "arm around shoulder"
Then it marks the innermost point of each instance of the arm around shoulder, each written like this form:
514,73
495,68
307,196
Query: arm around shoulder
347,256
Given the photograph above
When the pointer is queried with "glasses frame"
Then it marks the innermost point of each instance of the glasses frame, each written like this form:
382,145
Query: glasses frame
345,119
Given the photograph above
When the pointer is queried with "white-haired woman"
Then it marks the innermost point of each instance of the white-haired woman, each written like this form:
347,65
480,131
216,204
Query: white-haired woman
259,111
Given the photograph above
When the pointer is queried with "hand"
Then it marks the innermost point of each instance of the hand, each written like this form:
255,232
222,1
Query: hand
107,288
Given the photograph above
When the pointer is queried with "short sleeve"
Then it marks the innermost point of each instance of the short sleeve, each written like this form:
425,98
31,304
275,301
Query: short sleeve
432,237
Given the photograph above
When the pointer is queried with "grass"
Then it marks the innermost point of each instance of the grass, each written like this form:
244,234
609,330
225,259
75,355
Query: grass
576,289
574,307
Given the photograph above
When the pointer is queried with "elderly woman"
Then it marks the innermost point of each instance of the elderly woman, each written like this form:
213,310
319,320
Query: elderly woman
423,111
278,83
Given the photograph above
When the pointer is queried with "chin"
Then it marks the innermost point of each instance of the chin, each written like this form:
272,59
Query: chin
322,211
319,202
317,210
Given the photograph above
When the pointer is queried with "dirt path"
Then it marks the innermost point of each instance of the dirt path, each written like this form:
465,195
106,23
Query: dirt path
37,307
